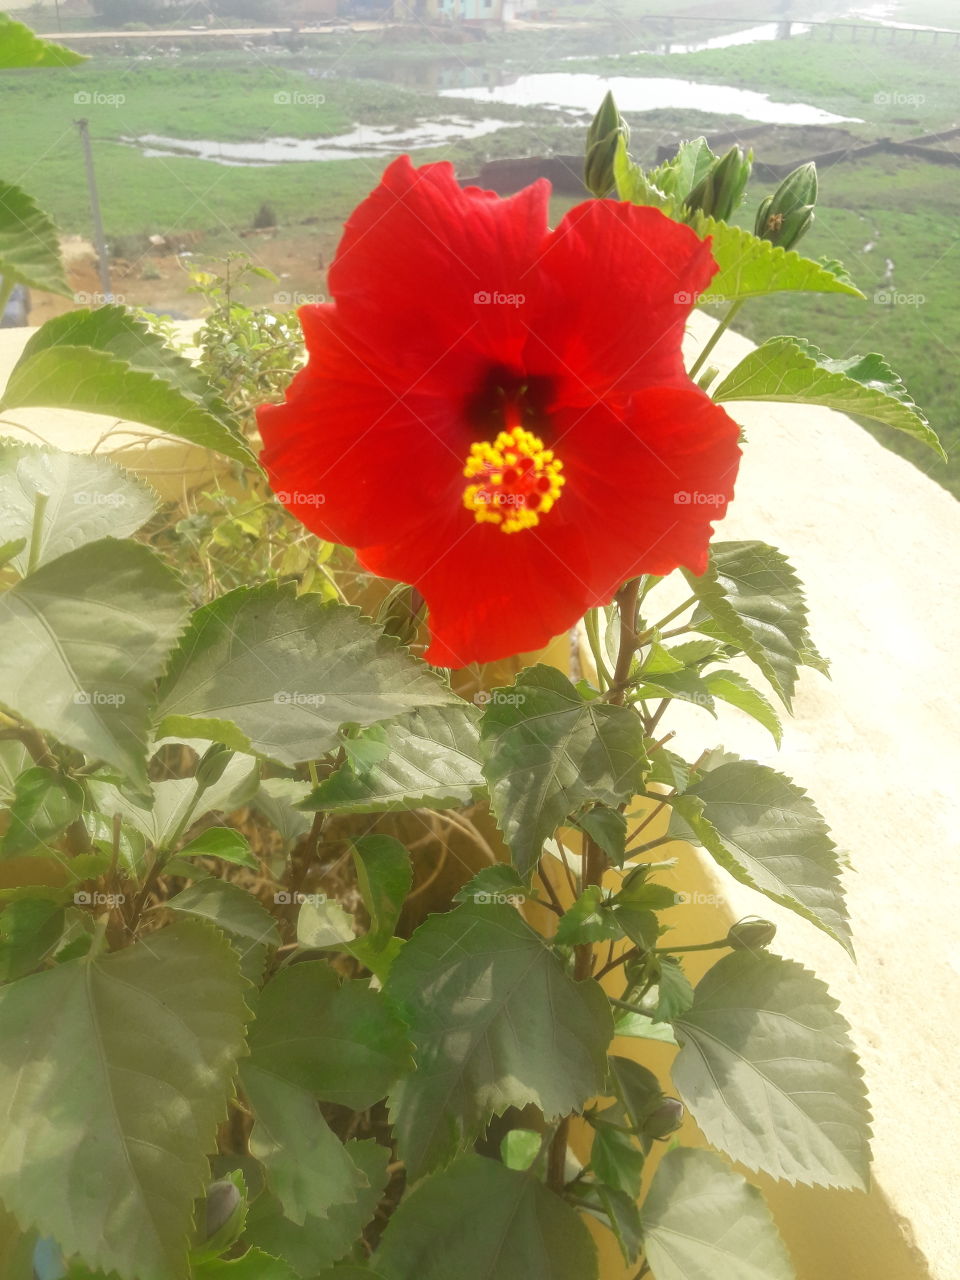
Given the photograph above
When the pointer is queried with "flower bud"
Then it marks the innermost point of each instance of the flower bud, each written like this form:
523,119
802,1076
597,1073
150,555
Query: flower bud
401,612
603,137
720,190
664,1119
223,1201
212,764
787,215
750,933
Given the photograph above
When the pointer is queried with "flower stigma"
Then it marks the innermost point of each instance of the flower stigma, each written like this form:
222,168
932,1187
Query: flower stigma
513,481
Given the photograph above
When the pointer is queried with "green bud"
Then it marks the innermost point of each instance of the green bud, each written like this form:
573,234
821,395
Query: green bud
664,1119
787,215
221,1219
603,138
720,190
751,933
401,612
212,764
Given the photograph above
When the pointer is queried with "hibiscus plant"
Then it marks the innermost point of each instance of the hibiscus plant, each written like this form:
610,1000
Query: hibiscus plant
328,948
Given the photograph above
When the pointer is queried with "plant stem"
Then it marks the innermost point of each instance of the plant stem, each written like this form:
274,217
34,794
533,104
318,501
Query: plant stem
593,860
714,339
629,640
557,1157
591,624
39,507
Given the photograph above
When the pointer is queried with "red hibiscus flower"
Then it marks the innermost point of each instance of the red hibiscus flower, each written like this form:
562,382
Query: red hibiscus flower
498,413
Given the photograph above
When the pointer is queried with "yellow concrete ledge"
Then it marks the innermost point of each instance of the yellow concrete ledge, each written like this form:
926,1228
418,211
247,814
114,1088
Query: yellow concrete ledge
875,543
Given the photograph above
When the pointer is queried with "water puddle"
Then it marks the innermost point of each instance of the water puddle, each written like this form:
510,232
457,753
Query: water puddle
365,141
583,92
749,35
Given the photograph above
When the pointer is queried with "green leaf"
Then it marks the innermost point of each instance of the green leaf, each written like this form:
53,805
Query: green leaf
384,878
29,930
752,268
636,1087
29,246
731,687
678,175
278,800
253,1265
608,828
44,805
432,762
19,47
241,916
337,1040
262,668
82,642
499,882
674,992
703,1221
791,370
62,376
640,1026
750,596
322,922
117,1034
306,1165
89,498
224,843
320,1242
766,831
634,186
120,333
481,1221
617,1160
547,750
496,1022
767,1071
173,800
587,921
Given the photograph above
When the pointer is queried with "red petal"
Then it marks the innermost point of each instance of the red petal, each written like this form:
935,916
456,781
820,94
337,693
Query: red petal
616,285
417,259
349,455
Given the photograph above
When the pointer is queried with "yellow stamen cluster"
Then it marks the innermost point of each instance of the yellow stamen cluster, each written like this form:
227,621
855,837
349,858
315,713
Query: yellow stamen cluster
515,480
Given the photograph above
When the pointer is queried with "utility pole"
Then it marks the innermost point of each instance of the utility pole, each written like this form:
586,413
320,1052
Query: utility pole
98,237
59,23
